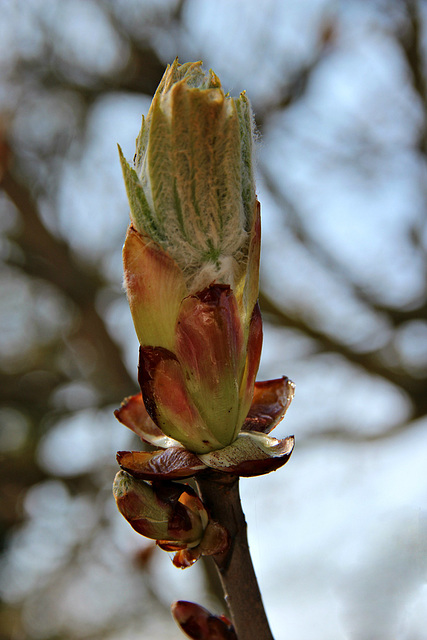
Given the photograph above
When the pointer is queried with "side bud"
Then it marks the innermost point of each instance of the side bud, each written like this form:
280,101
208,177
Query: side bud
200,624
168,512
171,514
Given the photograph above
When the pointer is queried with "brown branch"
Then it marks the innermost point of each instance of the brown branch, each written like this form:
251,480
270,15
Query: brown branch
140,74
220,495
295,85
49,258
295,224
370,361
345,435
411,42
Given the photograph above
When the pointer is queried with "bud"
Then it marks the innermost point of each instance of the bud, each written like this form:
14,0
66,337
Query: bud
170,513
191,262
191,259
200,624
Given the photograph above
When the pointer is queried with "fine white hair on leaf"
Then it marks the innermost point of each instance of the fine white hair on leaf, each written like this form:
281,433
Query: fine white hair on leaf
194,191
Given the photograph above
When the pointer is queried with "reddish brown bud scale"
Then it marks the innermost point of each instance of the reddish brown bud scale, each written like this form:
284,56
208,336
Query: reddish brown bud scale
200,624
173,463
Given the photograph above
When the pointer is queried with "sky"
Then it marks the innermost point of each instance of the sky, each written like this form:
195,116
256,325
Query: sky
338,535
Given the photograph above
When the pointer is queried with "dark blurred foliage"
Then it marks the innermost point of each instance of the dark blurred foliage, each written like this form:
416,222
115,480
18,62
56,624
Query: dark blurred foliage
64,349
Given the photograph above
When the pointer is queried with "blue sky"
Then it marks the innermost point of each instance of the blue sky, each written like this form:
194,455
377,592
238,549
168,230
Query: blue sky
337,535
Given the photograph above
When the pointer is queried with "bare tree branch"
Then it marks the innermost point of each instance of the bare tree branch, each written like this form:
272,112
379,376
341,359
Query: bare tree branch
49,258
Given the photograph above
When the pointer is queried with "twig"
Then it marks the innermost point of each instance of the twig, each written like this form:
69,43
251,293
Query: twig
220,494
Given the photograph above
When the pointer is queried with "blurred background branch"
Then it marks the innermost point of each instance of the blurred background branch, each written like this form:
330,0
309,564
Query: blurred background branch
341,104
